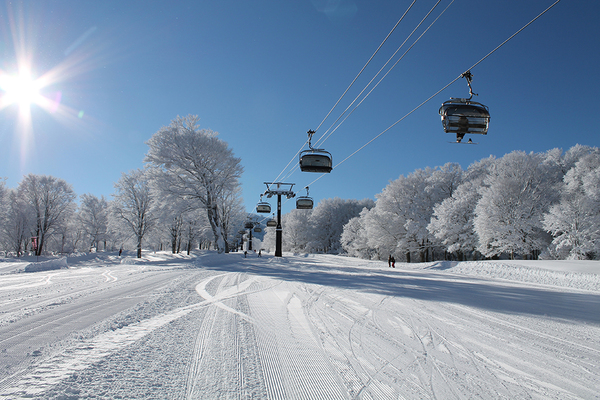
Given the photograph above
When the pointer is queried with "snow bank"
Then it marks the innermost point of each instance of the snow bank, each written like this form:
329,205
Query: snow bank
539,275
47,265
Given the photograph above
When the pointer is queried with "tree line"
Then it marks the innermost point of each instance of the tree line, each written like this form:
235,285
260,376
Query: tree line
187,194
520,205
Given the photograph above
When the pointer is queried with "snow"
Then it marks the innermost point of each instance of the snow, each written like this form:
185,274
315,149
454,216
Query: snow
214,325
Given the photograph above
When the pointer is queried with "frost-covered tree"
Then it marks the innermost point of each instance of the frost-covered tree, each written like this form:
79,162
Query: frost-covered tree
296,234
193,163
232,215
93,219
519,189
327,222
354,239
50,200
452,219
133,205
17,223
575,221
403,211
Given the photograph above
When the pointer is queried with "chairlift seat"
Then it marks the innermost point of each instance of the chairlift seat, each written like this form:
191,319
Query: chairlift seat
263,207
271,223
463,116
315,160
304,203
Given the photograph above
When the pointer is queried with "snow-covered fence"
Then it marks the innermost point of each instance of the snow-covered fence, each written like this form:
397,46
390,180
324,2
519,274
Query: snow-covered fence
47,265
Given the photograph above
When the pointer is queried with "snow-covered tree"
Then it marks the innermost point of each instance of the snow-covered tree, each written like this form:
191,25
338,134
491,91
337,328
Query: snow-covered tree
133,205
327,222
575,221
296,233
519,189
17,223
404,208
93,218
354,239
452,219
50,200
192,163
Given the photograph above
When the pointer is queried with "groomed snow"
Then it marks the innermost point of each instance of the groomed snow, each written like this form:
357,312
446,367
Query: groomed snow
220,326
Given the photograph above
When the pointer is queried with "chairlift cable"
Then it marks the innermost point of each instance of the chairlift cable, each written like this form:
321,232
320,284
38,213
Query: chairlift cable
512,36
392,67
351,84
441,90
367,63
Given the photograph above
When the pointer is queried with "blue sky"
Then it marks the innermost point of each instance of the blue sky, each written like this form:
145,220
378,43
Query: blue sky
262,73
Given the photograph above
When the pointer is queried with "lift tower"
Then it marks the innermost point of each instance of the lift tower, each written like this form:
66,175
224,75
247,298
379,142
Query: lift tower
282,189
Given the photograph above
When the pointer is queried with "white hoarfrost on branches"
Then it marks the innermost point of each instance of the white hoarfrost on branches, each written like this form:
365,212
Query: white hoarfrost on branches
133,205
93,218
192,163
452,219
519,189
575,221
50,200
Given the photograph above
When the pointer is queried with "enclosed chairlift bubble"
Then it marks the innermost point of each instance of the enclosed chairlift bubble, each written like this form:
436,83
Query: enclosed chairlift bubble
463,116
315,160
272,223
263,206
304,202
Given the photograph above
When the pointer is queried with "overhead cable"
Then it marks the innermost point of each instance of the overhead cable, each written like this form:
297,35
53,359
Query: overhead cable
442,89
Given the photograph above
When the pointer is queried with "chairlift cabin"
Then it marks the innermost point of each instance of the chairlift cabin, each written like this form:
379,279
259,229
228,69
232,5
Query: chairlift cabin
271,223
248,225
304,203
258,229
316,160
263,207
463,116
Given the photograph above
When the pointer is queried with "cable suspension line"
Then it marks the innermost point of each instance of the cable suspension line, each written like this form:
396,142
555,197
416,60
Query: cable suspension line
442,89
352,83
390,70
365,66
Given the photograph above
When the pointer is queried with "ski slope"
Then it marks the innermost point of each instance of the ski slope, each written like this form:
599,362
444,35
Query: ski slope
299,327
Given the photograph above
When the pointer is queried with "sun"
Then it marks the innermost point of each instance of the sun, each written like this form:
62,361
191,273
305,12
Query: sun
20,89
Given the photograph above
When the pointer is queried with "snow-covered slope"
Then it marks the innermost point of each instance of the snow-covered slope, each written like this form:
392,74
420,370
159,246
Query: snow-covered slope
317,326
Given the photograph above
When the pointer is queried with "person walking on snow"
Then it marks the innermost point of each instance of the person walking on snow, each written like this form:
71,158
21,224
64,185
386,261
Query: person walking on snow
393,262
390,261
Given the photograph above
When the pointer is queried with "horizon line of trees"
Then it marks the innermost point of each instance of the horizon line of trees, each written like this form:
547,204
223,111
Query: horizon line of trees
527,205
187,195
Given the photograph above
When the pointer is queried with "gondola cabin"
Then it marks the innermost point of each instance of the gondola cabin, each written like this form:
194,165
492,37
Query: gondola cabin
271,223
304,203
258,229
263,207
316,160
463,116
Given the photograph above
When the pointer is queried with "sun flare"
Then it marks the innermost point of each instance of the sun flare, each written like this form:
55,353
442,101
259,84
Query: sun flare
21,89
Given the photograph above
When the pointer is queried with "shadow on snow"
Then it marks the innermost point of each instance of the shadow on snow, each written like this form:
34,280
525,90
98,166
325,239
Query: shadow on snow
503,297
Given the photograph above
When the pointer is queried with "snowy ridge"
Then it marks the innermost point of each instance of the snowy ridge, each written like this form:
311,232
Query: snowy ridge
47,265
492,269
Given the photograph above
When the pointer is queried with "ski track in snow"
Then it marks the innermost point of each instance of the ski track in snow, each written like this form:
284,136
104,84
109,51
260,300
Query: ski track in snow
299,327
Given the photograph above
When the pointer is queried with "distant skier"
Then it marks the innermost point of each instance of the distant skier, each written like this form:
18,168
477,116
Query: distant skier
260,252
390,261
393,262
